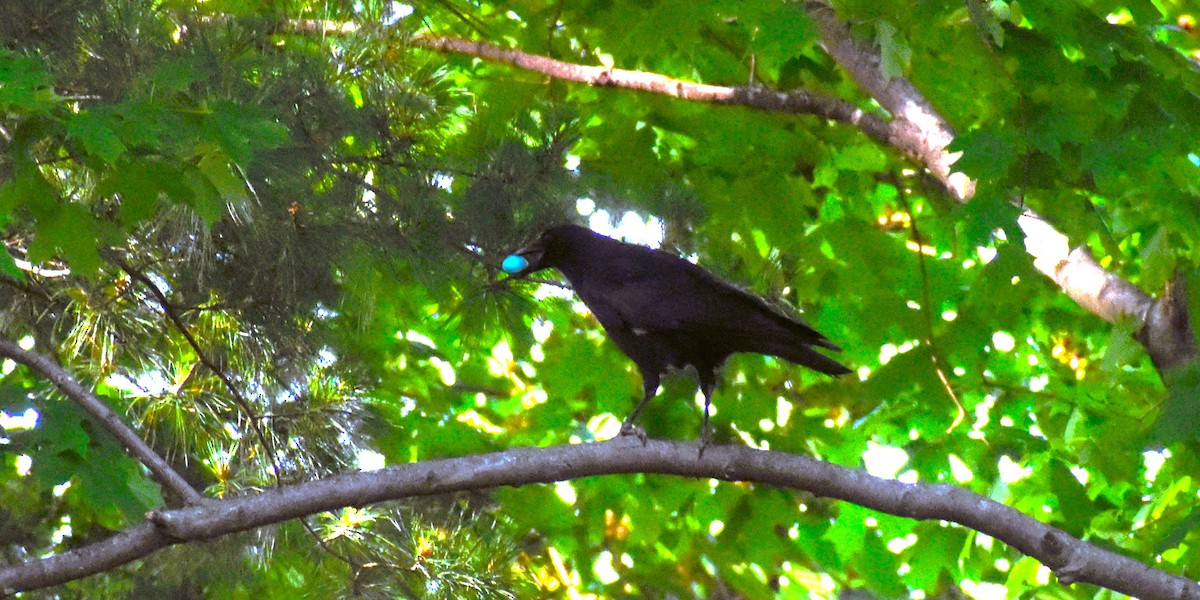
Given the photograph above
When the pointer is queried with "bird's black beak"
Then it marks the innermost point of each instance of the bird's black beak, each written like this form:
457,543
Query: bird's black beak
523,261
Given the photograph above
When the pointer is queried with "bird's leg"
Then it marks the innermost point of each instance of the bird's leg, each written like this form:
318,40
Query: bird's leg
650,388
706,427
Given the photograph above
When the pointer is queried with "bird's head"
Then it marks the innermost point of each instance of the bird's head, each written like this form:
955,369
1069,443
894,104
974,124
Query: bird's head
548,251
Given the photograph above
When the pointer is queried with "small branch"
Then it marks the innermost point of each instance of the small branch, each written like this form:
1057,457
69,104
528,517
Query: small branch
316,536
159,468
362,182
799,102
1071,559
234,393
32,289
935,357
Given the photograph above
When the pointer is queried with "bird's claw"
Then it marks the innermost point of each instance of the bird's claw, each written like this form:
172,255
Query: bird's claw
631,429
705,441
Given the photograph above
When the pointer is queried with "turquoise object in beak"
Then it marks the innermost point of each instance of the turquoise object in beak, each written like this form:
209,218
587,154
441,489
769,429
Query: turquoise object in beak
514,263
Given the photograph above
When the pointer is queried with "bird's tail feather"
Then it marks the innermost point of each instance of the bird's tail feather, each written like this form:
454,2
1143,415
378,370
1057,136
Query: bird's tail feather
802,354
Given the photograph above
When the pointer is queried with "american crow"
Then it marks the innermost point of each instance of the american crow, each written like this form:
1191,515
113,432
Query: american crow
664,311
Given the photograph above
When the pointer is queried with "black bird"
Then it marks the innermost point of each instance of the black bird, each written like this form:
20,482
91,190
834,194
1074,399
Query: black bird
664,311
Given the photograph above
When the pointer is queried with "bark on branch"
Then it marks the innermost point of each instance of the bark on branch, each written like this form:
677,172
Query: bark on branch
1071,559
797,102
917,129
159,468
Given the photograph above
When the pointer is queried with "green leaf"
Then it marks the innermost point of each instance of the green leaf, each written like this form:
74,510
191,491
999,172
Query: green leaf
174,76
27,85
987,19
61,428
862,157
627,155
14,398
1180,417
848,532
936,552
27,189
894,53
784,30
228,184
140,183
94,130
113,486
987,154
241,130
72,231
987,212
1122,347
1022,576
1159,260
1074,505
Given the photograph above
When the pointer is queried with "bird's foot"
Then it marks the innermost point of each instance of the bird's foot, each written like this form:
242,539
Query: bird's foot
705,441
631,429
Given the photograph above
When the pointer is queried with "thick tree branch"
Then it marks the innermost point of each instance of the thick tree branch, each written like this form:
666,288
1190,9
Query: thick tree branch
1166,330
159,468
1077,273
916,129
1071,559
919,130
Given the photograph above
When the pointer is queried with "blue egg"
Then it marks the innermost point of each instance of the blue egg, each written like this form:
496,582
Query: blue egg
513,263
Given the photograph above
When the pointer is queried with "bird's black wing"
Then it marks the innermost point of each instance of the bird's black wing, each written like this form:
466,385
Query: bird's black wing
668,293
663,310
664,293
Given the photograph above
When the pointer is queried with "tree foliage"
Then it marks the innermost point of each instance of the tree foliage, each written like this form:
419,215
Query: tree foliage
268,235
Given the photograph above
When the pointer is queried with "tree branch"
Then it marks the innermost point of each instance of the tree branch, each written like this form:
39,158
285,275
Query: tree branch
917,130
798,102
159,468
1071,559
1166,331
207,361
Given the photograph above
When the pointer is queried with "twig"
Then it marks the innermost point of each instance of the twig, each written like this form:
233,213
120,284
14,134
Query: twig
363,183
159,468
253,418
234,392
939,365
354,566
